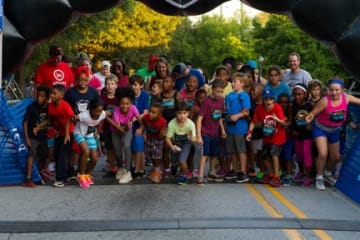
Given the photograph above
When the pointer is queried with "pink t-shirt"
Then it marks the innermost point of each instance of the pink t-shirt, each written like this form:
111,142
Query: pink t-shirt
95,83
124,118
333,116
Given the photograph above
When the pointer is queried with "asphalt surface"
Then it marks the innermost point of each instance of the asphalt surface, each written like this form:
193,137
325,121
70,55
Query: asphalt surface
142,210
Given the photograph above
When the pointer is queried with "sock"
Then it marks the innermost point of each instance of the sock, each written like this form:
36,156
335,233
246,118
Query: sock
320,177
327,173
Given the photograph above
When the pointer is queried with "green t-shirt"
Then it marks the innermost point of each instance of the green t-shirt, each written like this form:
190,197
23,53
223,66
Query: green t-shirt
145,73
180,135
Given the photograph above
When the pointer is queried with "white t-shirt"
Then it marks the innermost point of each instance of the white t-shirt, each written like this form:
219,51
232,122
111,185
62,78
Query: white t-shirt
291,78
101,77
86,125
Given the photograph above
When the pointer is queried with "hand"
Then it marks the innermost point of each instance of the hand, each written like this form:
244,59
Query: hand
66,138
138,132
223,134
352,125
309,118
234,117
36,130
248,137
199,140
28,143
175,148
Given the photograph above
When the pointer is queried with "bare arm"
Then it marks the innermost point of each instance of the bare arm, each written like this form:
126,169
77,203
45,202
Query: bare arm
198,129
352,99
319,106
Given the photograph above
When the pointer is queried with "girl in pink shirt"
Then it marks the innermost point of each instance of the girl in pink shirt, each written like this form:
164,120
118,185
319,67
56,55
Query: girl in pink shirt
122,120
328,116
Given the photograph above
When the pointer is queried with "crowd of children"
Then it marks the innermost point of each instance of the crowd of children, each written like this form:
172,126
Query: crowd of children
248,130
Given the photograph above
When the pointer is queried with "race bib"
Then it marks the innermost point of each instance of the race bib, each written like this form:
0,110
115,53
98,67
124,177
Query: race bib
269,125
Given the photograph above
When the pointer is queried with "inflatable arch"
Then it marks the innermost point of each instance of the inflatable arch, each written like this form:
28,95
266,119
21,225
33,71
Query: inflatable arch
28,22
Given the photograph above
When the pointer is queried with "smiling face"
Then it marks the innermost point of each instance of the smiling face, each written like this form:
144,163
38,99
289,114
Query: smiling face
82,81
191,83
124,104
294,63
161,69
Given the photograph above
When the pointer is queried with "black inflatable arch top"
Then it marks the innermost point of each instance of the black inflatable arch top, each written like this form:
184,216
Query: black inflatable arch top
28,22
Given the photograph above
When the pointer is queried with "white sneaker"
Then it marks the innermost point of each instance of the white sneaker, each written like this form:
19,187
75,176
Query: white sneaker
120,173
319,184
330,180
58,184
126,178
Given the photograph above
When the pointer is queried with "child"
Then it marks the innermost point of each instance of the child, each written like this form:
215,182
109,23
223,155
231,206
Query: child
155,129
169,97
121,128
79,97
257,136
156,91
200,97
188,93
59,113
287,150
110,102
302,134
84,135
141,102
237,109
36,113
329,115
273,119
208,124
275,84
222,72
315,87
180,134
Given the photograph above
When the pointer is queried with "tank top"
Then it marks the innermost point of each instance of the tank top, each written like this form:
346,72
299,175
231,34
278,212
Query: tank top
333,116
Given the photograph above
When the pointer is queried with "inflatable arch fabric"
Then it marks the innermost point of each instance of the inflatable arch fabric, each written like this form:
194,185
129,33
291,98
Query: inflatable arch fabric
28,22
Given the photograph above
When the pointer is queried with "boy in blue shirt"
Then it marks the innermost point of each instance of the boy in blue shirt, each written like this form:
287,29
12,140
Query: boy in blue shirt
237,105
141,102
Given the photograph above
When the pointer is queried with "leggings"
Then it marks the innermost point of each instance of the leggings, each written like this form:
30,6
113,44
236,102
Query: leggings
122,148
303,151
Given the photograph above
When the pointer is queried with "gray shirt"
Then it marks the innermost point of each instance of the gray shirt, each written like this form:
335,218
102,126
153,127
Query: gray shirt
291,78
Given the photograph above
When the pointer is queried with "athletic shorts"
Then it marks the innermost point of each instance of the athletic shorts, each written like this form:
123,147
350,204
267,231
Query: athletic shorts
332,136
90,141
211,146
235,143
154,148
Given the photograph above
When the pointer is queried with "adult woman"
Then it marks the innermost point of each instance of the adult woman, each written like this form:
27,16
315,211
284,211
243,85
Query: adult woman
328,116
162,69
119,68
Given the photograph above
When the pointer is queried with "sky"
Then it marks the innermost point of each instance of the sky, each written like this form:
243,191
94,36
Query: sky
228,9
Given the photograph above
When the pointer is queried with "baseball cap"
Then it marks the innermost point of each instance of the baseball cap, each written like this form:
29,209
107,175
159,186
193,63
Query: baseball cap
178,70
252,63
55,50
268,93
105,63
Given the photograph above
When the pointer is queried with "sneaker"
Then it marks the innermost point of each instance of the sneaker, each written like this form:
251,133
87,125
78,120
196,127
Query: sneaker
58,184
72,174
299,177
252,172
148,163
82,180
126,178
266,179
215,177
231,175
196,173
137,175
200,182
222,172
120,173
319,184
29,183
241,178
306,182
89,179
330,179
275,182
181,180
156,176
287,180
189,175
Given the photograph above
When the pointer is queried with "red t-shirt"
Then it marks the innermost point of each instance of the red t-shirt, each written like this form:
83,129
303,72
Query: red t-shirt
50,75
153,127
262,115
60,114
123,81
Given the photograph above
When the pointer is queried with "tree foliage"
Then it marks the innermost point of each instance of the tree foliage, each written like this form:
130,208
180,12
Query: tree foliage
278,37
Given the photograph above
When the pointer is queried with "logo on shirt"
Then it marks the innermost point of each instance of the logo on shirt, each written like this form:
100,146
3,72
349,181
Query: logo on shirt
269,125
59,75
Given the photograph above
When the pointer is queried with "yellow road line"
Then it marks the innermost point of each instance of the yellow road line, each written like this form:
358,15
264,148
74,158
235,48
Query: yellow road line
320,233
272,211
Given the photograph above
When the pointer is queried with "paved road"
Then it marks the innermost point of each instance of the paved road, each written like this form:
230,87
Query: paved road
167,211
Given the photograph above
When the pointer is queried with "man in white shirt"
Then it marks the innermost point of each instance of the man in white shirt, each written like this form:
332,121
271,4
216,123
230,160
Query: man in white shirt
295,74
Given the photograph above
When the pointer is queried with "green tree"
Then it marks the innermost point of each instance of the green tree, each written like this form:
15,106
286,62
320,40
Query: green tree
278,36
206,42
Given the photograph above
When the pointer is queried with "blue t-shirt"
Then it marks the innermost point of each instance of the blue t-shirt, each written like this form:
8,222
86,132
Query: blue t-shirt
282,88
79,101
179,84
142,104
35,114
235,102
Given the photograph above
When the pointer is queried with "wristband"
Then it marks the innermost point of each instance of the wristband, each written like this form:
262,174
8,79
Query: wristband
249,132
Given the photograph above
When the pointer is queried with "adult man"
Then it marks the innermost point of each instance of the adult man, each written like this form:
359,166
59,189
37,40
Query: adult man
180,73
296,74
105,70
54,71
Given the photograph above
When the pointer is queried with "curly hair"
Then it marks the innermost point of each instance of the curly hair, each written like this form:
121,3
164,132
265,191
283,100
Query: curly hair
125,92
